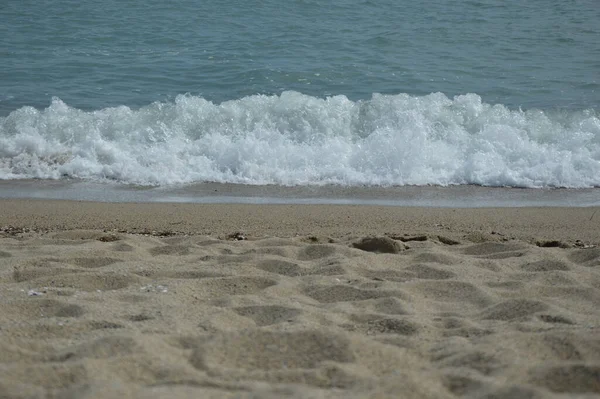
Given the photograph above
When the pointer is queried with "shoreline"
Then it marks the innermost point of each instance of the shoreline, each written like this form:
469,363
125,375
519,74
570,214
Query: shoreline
567,224
459,196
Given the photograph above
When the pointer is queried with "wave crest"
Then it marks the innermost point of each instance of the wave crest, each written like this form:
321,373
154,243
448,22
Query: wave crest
295,139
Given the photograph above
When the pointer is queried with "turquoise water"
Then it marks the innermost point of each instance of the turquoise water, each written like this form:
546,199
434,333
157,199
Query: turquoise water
488,92
95,54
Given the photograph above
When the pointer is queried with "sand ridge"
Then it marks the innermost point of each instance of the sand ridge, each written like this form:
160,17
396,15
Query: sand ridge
89,313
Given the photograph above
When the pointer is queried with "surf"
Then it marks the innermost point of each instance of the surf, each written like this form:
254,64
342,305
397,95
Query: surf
296,139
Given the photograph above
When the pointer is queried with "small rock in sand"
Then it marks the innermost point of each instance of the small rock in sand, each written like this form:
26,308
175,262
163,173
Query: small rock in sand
379,245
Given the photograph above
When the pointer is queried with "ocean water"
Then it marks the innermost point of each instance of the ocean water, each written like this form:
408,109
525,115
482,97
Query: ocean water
351,93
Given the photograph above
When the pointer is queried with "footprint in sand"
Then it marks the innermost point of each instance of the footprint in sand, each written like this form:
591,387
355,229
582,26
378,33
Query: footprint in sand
27,273
554,278
94,262
547,318
545,265
102,348
276,251
343,293
90,282
140,317
572,378
451,291
275,242
265,350
513,309
417,271
282,267
460,327
169,250
390,306
563,347
44,329
496,250
49,376
432,257
398,276
269,314
35,308
461,384
330,268
511,285
180,274
513,392
429,273
212,287
389,325
122,247
316,251
589,257
483,362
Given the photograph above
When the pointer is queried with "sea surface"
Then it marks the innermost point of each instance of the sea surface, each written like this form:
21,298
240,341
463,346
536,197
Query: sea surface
303,93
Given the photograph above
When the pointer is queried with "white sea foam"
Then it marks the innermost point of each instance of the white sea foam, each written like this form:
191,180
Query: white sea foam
295,139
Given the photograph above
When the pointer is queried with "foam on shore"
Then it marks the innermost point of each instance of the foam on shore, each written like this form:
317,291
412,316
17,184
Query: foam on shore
295,139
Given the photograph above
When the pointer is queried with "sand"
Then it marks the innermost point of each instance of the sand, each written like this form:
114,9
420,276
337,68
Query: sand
232,301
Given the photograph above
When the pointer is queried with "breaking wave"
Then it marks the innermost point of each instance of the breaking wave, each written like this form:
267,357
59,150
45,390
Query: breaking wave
296,139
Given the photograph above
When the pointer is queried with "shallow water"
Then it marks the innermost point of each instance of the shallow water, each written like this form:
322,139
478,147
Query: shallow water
215,193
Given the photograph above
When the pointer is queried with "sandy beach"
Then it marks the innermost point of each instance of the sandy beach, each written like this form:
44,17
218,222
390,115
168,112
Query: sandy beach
106,300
